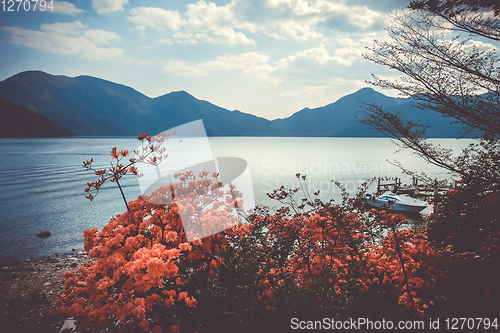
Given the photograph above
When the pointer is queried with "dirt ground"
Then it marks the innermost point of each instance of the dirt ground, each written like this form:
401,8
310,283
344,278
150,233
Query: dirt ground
29,287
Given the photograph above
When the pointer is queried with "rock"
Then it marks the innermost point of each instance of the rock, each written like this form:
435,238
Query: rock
44,234
69,325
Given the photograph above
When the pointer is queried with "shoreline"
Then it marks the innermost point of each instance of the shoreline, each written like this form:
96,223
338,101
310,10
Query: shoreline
29,287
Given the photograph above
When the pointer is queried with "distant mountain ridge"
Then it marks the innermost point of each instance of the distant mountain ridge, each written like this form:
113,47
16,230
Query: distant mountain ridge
95,107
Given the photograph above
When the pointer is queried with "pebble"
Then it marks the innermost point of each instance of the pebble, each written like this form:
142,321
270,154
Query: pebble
26,290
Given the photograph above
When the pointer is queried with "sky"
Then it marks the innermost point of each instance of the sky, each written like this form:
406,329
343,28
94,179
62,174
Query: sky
270,58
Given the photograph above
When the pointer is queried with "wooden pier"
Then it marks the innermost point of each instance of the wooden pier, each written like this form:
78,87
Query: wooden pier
415,190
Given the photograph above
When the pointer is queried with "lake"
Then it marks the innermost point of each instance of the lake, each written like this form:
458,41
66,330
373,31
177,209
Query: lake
42,180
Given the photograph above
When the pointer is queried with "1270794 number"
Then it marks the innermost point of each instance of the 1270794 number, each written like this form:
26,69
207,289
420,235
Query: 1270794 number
471,323
27,5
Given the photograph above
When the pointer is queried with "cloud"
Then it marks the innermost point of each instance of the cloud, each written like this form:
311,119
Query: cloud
181,68
306,20
108,6
303,67
165,41
236,21
317,62
234,62
155,18
209,23
302,31
481,46
253,64
202,23
101,36
59,29
68,39
66,8
263,72
322,64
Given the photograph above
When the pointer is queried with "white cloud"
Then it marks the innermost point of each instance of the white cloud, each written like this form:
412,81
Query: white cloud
316,57
101,36
481,46
64,7
248,62
165,41
263,72
352,53
233,62
303,67
180,68
70,28
155,18
68,39
233,22
306,20
219,35
214,24
301,31
202,23
108,6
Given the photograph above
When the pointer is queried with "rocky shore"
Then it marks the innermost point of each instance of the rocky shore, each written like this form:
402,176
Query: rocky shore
29,287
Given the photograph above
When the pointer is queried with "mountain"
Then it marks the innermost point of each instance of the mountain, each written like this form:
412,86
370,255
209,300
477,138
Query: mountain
179,107
336,119
18,121
86,105
92,106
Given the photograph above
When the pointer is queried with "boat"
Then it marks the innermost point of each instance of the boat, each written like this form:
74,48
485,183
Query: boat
397,202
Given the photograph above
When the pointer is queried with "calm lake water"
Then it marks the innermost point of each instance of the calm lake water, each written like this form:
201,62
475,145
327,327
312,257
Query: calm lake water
42,180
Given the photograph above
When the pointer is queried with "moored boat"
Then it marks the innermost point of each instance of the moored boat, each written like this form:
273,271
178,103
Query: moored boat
397,202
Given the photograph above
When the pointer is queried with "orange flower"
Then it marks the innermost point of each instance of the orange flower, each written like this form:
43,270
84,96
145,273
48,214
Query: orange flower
185,247
190,301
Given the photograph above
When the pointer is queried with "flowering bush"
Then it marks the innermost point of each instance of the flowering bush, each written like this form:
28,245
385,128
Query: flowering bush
142,262
320,262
